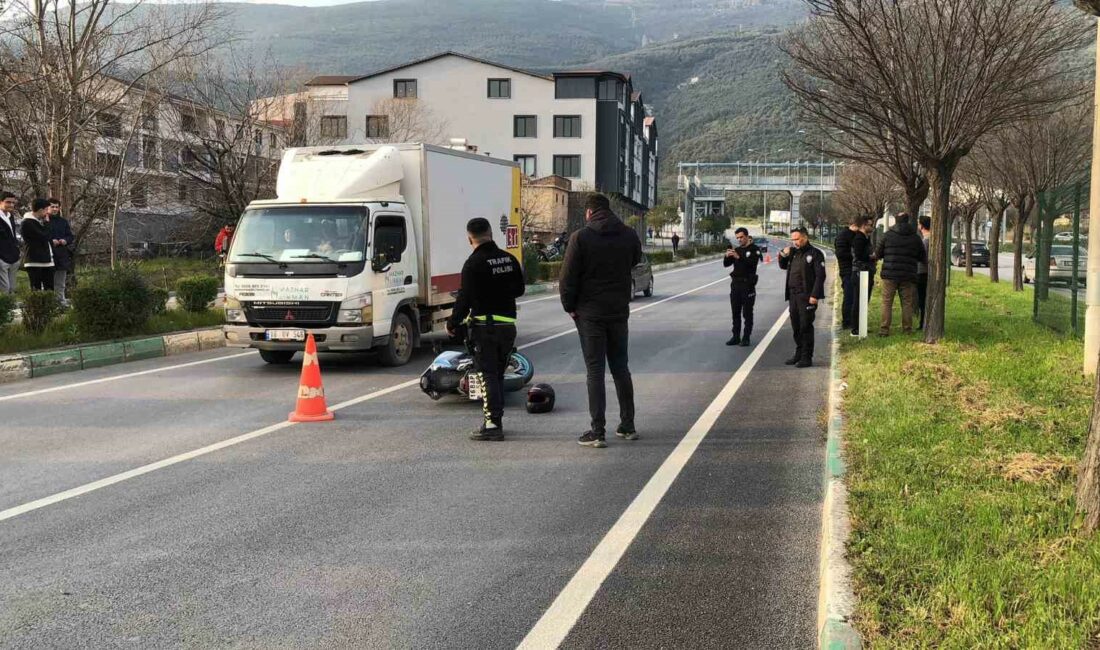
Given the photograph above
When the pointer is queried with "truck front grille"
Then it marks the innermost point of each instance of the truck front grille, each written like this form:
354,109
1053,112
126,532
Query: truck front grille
304,314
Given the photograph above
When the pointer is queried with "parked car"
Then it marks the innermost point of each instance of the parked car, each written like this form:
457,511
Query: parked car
1061,264
979,254
1065,237
642,278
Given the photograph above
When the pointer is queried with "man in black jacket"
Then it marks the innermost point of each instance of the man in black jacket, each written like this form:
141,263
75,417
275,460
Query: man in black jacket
36,233
492,279
901,251
805,288
744,260
863,259
62,240
595,290
848,281
9,243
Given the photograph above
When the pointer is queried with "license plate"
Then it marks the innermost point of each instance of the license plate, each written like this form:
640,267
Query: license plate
1066,263
285,335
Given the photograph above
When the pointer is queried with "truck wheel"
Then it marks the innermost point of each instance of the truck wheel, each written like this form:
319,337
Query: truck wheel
277,357
399,349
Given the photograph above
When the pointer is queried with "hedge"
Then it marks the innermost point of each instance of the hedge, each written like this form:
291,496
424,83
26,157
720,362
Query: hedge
195,292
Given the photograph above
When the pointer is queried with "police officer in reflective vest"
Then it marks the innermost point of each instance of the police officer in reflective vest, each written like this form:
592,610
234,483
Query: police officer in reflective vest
743,259
492,279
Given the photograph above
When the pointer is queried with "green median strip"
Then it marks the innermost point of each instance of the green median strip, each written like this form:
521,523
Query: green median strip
97,356
52,363
144,348
962,461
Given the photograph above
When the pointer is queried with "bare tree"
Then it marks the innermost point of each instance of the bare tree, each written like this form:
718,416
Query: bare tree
983,168
966,201
66,69
408,120
865,191
933,76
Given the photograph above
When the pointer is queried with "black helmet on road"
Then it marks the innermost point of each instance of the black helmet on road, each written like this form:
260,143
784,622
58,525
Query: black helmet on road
540,399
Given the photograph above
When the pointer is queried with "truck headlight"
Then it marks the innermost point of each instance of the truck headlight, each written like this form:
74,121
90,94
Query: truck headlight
356,311
231,270
235,316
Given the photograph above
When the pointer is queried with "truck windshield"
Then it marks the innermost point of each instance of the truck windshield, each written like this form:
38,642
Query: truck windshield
301,234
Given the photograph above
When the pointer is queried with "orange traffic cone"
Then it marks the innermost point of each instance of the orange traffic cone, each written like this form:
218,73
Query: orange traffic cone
767,258
311,393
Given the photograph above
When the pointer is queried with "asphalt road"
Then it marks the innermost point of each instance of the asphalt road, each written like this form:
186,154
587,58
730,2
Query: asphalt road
389,528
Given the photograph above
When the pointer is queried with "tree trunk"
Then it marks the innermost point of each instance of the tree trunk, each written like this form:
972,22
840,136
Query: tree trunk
1023,209
968,223
1088,476
914,200
995,244
940,177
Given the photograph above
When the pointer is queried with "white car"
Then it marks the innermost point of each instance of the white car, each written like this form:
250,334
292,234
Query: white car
1061,264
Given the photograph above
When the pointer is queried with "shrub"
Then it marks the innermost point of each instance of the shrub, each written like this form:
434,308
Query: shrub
549,271
39,310
660,257
531,268
112,304
7,308
196,292
160,300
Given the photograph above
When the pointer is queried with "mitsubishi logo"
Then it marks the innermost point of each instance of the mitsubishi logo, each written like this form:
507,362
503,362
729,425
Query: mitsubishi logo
289,315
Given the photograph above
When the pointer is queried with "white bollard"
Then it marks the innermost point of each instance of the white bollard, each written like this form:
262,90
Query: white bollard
864,301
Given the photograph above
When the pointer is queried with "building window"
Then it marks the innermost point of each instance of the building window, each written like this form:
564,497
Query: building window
149,153
574,88
608,90
567,166
258,141
219,127
500,88
149,117
334,126
527,164
138,198
378,126
182,190
189,123
110,125
404,88
567,126
107,163
526,126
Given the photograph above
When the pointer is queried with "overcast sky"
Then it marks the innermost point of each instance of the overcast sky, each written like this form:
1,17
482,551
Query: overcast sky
301,3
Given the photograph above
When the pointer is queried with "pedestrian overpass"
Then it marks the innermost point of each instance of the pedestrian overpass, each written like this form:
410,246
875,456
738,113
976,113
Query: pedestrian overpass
703,186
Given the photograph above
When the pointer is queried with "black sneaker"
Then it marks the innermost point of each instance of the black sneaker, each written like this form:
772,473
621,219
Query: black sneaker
733,341
745,342
488,431
626,433
804,363
793,360
592,439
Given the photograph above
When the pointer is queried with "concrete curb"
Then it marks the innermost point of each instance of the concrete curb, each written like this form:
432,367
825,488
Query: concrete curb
550,287
14,367
836,600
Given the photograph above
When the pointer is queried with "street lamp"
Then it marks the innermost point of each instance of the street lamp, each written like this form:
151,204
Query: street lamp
1092,277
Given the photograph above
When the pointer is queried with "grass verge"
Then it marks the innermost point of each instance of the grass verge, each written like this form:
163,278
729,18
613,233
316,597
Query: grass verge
62,332
962,464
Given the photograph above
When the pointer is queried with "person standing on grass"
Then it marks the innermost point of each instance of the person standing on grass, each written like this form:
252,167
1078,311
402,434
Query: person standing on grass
595,290
805,289
901,251
62,241
36,233
925,226
848,282
9,243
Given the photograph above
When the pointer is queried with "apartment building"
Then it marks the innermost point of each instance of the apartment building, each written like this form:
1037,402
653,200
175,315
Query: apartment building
588,126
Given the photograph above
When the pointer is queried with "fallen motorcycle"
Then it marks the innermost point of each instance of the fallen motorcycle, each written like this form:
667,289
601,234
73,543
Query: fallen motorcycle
452,372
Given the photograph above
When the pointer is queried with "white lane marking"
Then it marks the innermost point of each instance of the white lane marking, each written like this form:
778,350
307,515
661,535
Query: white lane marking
701,265
103,380
633,311
167,462
551,630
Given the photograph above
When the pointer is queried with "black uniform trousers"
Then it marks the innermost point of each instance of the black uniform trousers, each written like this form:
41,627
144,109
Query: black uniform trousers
606,343
493,344
742,303
802,323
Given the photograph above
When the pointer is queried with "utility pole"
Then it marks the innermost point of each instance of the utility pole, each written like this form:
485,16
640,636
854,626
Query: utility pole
1092,277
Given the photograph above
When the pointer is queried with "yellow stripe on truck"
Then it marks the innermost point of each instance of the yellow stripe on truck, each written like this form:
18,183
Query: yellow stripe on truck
514,220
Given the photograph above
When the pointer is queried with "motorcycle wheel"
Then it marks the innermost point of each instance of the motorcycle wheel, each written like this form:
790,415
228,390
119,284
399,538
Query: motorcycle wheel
519,373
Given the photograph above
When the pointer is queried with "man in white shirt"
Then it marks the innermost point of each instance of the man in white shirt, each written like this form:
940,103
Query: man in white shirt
9,242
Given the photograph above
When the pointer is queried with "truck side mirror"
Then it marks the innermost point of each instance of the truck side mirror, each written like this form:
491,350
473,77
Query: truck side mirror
380,263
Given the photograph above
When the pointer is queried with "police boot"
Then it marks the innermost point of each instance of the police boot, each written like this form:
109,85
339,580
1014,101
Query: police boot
735,340
745,341
795,359
489,430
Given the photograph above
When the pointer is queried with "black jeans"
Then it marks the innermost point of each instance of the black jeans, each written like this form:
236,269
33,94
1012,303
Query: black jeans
606,343
849,283
493,345
922,295
742,303
802,322
41,278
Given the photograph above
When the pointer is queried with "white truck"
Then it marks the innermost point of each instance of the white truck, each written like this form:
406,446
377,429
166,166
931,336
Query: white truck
363,247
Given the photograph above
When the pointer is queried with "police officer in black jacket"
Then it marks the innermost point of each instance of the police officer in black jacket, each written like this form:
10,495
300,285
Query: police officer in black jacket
805,266
743,259
492,279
